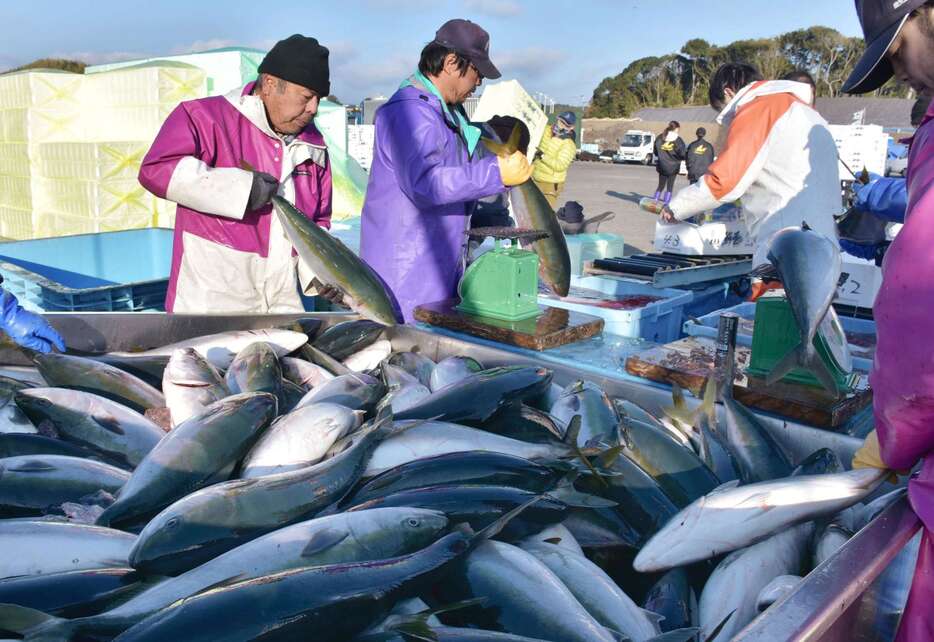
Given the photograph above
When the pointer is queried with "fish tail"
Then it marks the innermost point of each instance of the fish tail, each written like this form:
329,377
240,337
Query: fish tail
804,356
34,625
507,148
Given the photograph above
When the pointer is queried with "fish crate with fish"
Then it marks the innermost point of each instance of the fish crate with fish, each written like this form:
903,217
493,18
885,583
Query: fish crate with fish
332,457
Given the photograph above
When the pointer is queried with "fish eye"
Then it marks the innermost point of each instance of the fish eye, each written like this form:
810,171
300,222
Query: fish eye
173,523
414,523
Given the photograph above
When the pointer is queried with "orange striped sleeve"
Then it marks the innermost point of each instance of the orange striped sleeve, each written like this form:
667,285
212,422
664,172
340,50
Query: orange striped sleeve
748,133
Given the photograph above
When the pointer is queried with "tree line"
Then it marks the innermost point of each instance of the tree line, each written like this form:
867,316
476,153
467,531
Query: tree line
680,79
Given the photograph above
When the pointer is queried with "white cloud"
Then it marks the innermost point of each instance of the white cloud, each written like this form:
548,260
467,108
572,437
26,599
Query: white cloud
352,80
341,50
498,8
401,5
203,45
532,61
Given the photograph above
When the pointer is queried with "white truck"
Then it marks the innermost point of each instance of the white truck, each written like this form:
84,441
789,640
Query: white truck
636,147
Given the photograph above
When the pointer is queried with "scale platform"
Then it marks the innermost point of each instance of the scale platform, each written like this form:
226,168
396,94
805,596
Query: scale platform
553,328
672,270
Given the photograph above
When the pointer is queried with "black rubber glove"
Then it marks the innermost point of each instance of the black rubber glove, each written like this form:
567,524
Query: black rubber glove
264,188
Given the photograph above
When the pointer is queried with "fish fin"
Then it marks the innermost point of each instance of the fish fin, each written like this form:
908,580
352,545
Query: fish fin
496,527
31,466
324,540
412,625
507,148
32,624
678,409
571,436
227,581
572,432
687,634
803,357
716,631
655,618
708,405
572,497
610,455
415,629
786,364
110,424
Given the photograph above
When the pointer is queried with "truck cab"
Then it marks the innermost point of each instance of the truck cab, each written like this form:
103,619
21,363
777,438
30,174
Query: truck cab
636,147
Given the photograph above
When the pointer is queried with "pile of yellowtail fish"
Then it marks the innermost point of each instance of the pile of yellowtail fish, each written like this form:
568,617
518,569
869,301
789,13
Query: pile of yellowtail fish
256,485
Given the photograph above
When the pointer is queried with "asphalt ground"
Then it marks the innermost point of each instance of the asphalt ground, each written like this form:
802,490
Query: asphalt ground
601,187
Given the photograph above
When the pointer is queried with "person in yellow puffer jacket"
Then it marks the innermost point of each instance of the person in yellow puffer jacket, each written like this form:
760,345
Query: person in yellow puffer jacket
555,154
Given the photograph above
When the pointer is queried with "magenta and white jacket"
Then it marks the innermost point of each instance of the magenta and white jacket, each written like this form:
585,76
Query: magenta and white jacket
227,260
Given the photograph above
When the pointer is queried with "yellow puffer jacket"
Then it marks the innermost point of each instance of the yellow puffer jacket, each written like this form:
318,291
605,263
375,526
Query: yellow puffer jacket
557,156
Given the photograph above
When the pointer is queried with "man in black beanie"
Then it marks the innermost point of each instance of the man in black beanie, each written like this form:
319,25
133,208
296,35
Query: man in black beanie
221,159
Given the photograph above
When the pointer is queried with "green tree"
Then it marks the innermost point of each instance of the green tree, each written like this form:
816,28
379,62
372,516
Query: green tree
74,66
680,79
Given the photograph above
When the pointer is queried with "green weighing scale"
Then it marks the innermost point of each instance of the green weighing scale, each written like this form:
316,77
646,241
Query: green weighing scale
776,332
498,298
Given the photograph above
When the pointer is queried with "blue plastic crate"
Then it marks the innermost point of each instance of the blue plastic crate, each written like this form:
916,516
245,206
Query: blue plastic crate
659,321
124,271
706,326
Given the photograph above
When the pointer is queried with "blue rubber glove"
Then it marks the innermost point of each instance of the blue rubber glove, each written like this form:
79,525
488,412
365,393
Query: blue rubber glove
27,328
867,252
885,197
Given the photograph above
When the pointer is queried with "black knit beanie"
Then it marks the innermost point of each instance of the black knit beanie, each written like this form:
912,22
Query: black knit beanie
301,60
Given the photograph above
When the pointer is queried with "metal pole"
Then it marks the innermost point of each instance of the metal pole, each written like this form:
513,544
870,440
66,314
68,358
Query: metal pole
724,362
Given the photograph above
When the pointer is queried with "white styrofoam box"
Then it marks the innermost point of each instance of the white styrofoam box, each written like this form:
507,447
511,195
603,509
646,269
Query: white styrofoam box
40,125
17,192
587,247
48,224
718,238
165,213
125,122
509,98
105,161
15,223
861,280
226,69
93,198
15,159
45,89
860,146
155,83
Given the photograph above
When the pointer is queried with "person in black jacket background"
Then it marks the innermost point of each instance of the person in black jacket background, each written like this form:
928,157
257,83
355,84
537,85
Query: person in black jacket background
669,152
699,156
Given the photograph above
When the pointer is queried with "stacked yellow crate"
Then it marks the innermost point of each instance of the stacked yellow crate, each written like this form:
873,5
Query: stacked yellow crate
91,187
35,106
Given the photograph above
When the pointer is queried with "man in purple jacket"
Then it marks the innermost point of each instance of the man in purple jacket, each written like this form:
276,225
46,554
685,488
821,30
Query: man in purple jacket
231,254
428,170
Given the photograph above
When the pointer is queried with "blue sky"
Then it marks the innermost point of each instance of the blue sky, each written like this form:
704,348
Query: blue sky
563,48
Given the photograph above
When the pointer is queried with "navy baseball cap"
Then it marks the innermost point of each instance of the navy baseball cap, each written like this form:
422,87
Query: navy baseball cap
471,41
569,117
881,21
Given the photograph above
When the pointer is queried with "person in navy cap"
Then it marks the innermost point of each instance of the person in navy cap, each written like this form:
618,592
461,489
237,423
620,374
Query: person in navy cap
429,170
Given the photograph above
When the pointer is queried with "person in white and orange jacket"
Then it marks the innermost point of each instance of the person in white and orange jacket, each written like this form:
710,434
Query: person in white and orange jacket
779,159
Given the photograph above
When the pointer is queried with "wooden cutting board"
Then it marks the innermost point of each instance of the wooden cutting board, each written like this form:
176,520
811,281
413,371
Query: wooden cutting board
689,362
554,327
